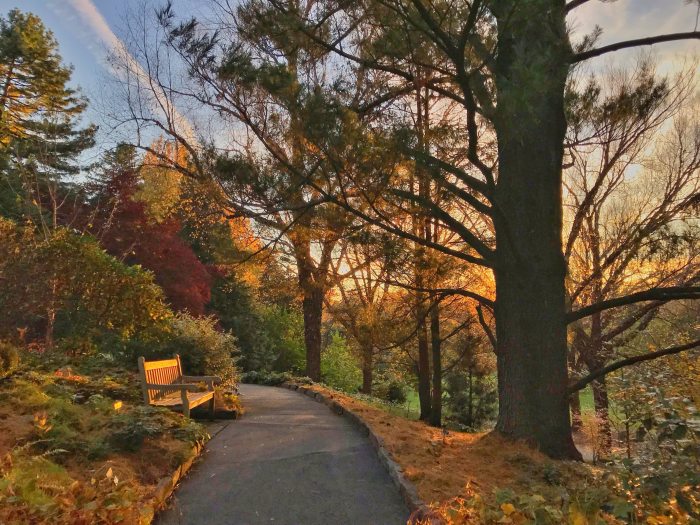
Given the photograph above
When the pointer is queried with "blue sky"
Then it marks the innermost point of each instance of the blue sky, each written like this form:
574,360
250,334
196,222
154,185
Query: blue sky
86,29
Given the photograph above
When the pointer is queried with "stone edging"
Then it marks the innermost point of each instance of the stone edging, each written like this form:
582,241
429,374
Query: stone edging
408,491
166,486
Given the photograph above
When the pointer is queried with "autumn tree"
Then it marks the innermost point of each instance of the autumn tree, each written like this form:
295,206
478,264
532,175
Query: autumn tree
127,230
283,110
90,292
628,231
508,64
363,304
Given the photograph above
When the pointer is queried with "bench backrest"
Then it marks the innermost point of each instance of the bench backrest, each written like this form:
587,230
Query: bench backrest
165,372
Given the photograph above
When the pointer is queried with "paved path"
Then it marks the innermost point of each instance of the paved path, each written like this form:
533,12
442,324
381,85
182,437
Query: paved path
288,461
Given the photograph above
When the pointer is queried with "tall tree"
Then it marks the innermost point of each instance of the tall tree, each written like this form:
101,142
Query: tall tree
630,205
39,112
282,109
127,231
507,62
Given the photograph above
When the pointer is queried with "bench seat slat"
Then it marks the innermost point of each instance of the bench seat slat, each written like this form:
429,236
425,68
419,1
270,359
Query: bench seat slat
174,399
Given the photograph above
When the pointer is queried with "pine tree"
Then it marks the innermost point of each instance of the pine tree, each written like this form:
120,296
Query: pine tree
39,113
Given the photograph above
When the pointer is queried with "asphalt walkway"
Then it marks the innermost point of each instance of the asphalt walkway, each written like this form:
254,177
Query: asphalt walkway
288,461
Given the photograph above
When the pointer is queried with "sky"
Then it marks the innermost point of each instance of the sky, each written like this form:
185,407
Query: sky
87,30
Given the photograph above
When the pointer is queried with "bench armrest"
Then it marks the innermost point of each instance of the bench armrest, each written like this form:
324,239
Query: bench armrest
210,380
175,387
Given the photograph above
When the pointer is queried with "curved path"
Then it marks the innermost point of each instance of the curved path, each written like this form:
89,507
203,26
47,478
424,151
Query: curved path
288,461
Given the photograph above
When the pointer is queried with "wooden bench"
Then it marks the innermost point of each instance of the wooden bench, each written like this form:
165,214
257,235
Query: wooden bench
164,385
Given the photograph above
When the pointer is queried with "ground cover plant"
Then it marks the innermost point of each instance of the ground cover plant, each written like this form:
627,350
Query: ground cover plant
78,446
481,478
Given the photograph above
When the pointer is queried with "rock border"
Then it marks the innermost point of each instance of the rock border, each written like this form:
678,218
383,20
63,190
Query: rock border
416,505
167,485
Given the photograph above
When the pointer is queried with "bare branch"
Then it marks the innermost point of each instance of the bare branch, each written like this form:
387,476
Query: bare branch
669,293
581,383
573,4
648,41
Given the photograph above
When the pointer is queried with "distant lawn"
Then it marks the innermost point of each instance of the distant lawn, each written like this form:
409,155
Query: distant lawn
586,397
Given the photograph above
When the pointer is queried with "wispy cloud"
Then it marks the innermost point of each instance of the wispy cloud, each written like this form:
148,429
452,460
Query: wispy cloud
629,19
98,26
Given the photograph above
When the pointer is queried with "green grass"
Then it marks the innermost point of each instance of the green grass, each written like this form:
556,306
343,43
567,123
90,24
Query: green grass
586,398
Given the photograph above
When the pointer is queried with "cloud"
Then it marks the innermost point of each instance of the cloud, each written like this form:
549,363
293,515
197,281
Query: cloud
99,27
630,19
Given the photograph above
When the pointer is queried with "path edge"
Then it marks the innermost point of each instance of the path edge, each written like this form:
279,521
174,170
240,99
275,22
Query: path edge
415,504
167,485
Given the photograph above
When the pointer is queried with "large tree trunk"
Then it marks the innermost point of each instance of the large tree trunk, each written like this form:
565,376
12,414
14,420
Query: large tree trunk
531,70
435,343
311,285
367,356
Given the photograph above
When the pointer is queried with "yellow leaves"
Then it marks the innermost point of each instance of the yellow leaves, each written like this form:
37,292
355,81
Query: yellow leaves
41,423
660,520
117,405
507,508
576,517
111,476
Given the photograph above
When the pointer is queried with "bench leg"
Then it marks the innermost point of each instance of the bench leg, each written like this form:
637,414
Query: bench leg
211,408
185,403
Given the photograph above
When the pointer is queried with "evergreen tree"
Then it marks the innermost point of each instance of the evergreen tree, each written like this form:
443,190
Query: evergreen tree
40,134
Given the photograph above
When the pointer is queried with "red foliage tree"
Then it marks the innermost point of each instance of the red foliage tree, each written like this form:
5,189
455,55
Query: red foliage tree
126,231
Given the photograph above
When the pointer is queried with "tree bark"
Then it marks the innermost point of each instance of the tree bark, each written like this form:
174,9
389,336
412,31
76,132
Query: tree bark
594,350
423,365
313,314
531,70
312,307
470,410
436,350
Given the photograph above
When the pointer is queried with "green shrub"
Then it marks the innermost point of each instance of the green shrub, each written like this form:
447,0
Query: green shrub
396,393
257,377
391,390
280,345
204,350
472,400
9,358
339,369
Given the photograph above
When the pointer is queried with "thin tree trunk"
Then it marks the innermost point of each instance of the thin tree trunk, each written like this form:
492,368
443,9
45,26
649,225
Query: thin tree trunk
594,351
531,70
436,350
575,405
367,364
50,317
470,410
423,365
421,226
602,405
313,312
